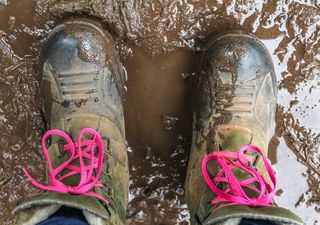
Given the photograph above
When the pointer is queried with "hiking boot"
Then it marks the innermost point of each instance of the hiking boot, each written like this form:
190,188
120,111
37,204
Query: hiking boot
82,86
235,105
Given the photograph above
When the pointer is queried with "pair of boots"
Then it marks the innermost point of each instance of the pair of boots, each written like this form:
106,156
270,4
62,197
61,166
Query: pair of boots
83,87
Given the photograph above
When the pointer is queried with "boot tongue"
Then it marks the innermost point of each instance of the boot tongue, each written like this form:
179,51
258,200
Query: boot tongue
231,137
72,126
59,155
87,204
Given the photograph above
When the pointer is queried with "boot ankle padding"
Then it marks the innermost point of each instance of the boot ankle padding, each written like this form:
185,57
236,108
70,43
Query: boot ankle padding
232,221
46,199
92,219
35,215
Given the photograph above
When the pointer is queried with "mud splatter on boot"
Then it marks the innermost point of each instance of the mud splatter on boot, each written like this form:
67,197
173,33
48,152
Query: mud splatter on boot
235,106
83,87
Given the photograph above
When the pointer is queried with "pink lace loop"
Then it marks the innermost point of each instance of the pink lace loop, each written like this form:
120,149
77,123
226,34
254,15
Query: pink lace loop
233,193
80,150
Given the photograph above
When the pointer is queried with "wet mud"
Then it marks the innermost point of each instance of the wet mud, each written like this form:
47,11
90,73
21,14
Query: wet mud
160,43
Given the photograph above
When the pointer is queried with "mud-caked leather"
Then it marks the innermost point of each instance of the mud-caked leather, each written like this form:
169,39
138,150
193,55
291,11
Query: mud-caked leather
83,87
235,105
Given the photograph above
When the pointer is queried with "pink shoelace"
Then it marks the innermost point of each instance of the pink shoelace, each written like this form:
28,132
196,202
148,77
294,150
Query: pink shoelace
234,193
89,174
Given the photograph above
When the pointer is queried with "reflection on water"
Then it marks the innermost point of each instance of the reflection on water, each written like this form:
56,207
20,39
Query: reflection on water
160,43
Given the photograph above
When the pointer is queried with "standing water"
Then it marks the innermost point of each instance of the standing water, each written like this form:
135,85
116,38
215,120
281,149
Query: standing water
160,43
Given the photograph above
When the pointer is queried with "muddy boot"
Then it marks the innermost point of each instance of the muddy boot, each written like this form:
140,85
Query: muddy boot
235,104
83,88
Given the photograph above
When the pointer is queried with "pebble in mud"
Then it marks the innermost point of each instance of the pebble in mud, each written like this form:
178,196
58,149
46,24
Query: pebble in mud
169,122
3,3
289,29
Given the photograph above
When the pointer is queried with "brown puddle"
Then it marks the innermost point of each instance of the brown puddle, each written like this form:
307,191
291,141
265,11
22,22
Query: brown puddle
158,125
158,106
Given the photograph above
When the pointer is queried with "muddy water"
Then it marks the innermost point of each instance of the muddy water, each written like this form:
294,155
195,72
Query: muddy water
158,115
160,44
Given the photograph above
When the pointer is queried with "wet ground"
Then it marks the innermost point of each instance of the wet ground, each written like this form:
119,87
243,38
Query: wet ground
160,43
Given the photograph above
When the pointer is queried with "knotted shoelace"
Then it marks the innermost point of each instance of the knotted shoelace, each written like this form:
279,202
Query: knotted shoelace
79,150
233,193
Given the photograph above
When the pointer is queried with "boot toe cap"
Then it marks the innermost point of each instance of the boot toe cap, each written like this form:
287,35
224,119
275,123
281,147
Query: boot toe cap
80,39
238,53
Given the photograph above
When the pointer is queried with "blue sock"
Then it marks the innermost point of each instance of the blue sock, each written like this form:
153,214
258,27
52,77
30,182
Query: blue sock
66,216
256,222
63,220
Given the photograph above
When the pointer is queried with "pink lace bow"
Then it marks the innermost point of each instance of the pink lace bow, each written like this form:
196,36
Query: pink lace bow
80,150
233,193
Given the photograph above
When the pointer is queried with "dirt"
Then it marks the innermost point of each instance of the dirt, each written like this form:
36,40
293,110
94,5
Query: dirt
160,43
